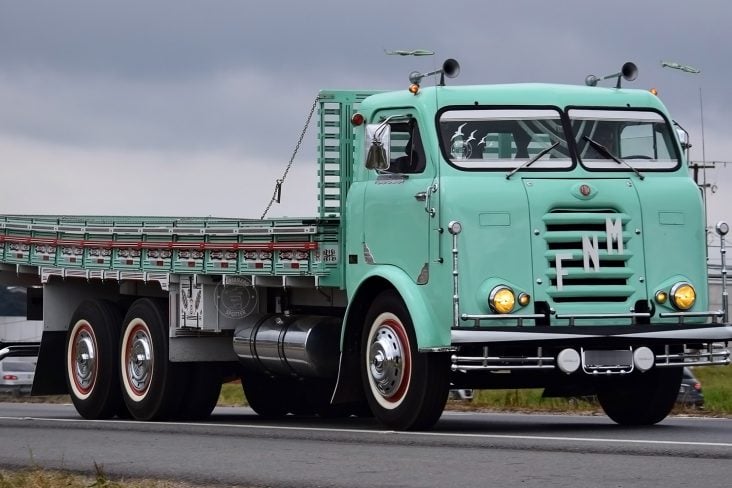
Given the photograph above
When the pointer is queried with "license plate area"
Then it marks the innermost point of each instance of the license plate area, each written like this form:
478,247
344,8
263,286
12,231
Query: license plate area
615,361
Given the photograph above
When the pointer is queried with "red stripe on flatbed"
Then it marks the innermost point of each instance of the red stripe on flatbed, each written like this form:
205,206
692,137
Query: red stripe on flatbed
201,246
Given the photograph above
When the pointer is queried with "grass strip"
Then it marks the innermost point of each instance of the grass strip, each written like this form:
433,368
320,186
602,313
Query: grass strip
42,478
716,385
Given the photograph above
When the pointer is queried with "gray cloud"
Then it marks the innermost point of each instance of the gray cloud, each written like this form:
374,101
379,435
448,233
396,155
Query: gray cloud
232,81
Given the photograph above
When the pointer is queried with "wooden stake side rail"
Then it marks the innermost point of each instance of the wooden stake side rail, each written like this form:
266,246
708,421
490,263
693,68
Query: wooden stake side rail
184,246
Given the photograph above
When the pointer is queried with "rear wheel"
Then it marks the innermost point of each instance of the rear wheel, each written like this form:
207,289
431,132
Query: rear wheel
298,400
202,391
92,373
275,397
268,397
645,399
151,385
405,389
317,393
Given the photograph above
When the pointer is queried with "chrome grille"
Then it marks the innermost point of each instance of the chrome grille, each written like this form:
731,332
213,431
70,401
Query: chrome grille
590,272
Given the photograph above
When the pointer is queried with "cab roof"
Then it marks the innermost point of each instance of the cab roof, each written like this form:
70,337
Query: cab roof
520,94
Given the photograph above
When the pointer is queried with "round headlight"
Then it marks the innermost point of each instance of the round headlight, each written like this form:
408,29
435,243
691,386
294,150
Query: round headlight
683,296
501,299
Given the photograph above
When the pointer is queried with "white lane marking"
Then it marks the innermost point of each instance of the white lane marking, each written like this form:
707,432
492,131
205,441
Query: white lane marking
676,417
598,440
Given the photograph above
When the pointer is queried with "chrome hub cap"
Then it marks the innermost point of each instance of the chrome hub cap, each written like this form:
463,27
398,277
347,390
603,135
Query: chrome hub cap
386,363
85,361
139,361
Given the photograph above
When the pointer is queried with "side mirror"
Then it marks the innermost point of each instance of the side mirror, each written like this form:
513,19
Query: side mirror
683,138
378,155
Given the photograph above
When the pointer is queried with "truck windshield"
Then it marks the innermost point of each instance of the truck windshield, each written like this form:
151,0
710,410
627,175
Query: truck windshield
642,139
503,138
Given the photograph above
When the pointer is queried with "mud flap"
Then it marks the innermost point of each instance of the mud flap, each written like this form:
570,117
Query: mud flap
50,370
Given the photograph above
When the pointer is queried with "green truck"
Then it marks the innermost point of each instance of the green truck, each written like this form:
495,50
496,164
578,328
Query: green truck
493,236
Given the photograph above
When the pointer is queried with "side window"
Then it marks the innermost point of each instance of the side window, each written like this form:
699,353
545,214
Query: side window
407,152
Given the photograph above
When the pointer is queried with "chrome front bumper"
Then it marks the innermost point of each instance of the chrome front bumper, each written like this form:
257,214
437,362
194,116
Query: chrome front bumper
692,346
709,354
629,334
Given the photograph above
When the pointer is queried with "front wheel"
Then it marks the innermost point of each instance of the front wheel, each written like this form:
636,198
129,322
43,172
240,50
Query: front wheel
644,399
405,389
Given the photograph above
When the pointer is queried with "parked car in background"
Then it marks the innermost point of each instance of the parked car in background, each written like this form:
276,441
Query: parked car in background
690,392
16,376
464,394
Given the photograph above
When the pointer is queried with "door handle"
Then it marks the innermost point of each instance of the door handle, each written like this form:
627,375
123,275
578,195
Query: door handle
421,196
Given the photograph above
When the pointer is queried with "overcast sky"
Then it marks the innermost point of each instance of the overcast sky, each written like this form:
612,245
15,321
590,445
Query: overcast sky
178,107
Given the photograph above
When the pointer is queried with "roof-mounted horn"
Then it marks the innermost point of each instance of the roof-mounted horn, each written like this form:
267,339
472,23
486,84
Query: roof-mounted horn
628,72
450,68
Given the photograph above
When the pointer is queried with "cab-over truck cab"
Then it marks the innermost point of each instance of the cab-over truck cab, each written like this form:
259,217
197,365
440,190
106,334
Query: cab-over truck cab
525,235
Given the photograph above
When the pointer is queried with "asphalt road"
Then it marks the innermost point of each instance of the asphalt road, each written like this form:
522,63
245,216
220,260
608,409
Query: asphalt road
465,449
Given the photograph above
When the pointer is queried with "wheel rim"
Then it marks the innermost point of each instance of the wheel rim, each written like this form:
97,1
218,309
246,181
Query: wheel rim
82,359
388,361
138,360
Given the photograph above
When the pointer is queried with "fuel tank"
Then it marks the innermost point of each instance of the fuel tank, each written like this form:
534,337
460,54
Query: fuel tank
290,345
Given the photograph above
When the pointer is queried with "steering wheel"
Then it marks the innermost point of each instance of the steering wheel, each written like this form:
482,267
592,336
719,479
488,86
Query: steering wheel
638,156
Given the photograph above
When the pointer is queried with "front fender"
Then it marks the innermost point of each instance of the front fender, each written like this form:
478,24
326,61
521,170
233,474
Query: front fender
430,332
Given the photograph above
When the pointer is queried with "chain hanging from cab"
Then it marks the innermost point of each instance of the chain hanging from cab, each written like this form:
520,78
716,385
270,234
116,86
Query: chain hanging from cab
276,196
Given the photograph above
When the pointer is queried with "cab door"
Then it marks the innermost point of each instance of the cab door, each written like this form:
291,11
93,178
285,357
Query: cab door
399,204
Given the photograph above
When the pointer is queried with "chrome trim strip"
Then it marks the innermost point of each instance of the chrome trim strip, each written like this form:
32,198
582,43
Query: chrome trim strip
465,367
705,334
438,349
496,316
469,336
717,333
367,256
455,281
184,231
711,313
693,363
723,253
630,315
518,318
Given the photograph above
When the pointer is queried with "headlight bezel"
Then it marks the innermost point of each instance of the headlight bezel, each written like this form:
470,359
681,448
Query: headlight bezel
680,302
497,299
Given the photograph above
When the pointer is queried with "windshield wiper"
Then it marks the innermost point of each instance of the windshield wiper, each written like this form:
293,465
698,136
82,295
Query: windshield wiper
531,161
606,152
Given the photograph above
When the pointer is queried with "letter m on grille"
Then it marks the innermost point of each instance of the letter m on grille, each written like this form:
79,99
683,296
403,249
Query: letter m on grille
614,229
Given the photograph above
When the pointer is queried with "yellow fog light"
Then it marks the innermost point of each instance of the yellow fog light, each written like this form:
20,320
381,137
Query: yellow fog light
661,297
683,296
524,299
501,299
